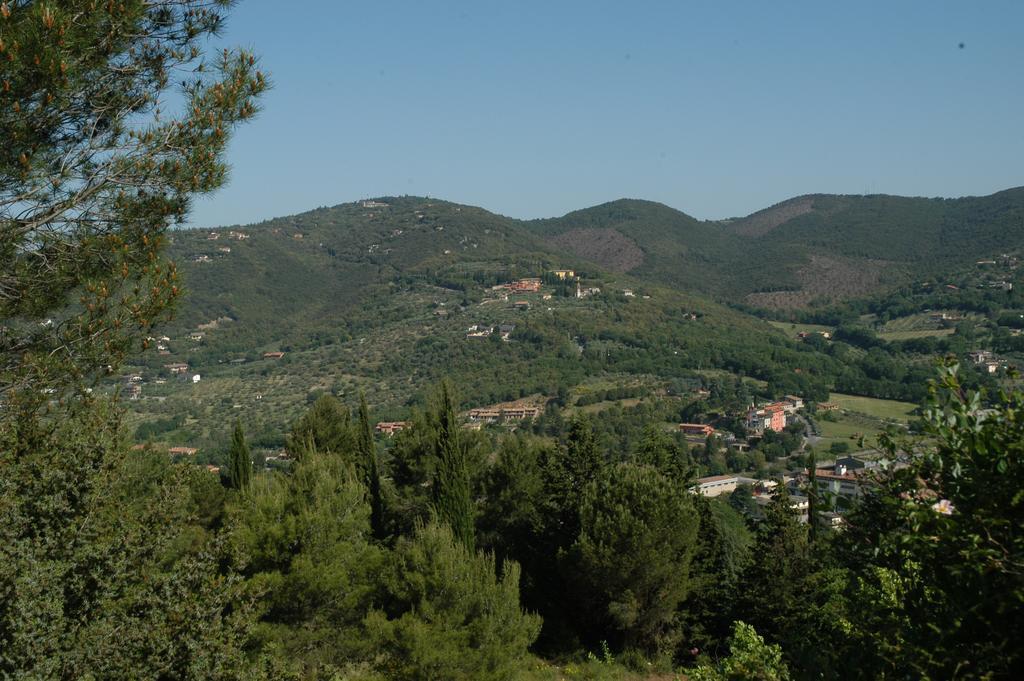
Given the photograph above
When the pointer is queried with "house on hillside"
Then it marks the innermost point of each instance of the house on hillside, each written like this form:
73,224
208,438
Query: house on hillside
701,429
389,428
273,355
769,417
564,274
979,356
529,285
792,403
505,331
177,368
182,451
521,305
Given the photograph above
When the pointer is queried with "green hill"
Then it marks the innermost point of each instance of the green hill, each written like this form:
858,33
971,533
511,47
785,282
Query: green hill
805,250
379,296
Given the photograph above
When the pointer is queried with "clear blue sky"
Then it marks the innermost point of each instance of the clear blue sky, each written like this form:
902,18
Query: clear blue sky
534,109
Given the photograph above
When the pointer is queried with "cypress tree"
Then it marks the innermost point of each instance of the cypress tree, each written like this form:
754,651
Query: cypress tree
452,500
240,460
371,472
812,497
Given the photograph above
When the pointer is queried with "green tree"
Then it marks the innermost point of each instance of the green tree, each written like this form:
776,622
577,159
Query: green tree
637,539
449,614
722,554
749,659
658,449
310,561
106,573
935,553
775,581
371,468
325,427
452,501
239,460
95,169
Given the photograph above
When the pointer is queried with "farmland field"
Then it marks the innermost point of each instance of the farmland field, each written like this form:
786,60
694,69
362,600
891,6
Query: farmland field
882,409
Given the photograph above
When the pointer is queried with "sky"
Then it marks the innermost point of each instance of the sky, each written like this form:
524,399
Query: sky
534,109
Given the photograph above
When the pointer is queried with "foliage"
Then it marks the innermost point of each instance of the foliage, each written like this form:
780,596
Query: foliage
239,460
310,559
106,572
935,554
326,427
750,659
94,171
448,615
637,539
371,468
451,489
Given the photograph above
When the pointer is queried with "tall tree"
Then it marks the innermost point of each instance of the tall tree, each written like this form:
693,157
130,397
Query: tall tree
370,468
452,499
239,460
94,170
325,427
776,581
104,577
638,535
812,496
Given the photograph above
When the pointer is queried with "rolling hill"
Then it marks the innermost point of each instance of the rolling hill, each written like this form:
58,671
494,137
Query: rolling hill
806,250
379,296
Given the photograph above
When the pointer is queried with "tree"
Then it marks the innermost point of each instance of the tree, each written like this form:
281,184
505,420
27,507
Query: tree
326,427
723,549
449,614
774,582
935,553
750,659
309,559
95,168
106,576
239,460
452,500
637,537
658,449
105,573
371,468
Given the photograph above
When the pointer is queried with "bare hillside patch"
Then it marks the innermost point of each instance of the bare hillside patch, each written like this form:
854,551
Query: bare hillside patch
764,221
609,248
825,277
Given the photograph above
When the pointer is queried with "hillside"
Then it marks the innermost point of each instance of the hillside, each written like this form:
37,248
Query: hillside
806,250
380,297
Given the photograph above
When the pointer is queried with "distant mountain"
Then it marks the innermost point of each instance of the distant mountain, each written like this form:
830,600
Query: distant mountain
807,249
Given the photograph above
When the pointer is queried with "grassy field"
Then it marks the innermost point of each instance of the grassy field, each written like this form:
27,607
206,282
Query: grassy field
791,329
870,406
850,427
919,333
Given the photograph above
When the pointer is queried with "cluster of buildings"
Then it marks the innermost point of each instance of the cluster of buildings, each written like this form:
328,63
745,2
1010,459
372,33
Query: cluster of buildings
486,331
527,285
837,486
985,360
773,416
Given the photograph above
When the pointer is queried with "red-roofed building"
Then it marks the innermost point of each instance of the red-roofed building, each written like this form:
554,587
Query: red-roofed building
701,429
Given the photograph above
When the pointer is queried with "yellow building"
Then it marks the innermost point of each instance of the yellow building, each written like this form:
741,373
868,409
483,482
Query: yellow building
564,274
